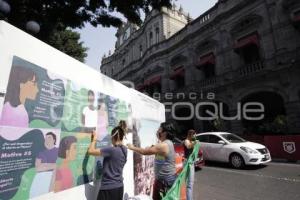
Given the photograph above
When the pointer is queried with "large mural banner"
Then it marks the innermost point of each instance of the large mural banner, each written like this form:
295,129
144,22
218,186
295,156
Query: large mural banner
45,130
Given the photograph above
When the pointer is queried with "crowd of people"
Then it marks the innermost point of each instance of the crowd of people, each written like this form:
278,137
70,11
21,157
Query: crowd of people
115,157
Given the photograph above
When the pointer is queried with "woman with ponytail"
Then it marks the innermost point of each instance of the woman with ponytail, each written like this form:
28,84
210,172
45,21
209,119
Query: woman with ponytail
123,125
115,158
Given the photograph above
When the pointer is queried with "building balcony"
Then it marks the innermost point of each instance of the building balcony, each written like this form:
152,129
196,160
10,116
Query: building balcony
206,83
198,86
251,68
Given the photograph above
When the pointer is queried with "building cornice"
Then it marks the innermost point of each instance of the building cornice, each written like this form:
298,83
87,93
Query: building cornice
183,36
137,34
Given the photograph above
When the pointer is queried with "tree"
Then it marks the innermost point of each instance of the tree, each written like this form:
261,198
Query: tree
277,126
219,124
67,41
75,13
55,16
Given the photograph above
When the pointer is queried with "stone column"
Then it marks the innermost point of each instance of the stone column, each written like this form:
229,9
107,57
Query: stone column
188,65
195,74
198,125
235,125
293,116
189,74
165,83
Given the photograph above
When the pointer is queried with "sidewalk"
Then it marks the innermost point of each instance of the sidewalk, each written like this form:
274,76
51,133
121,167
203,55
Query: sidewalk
279,160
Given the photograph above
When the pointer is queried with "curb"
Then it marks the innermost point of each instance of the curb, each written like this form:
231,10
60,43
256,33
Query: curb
285,161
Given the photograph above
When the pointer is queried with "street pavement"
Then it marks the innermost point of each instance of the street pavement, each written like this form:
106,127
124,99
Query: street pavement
273,181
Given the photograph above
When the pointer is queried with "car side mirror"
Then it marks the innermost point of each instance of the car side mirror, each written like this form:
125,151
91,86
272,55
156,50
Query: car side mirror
221,142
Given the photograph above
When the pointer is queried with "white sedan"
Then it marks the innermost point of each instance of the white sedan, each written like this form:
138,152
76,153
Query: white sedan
227,147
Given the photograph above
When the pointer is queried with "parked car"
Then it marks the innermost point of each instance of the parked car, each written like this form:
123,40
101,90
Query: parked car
228,147
179,159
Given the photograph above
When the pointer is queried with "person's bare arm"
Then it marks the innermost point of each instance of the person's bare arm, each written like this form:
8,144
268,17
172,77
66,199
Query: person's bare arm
189,144
92,150
160,149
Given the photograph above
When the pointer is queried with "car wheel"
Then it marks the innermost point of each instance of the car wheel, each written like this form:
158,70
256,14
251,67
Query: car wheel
237,161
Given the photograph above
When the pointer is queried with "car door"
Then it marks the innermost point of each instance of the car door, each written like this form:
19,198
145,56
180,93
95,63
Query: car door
203,139
216,151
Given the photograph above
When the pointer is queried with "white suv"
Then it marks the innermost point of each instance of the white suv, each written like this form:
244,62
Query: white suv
227,147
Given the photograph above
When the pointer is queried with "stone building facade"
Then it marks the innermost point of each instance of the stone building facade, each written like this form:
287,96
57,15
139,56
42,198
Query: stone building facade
238,51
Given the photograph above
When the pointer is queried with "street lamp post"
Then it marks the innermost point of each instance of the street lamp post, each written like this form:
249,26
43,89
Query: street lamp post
4,8
33,26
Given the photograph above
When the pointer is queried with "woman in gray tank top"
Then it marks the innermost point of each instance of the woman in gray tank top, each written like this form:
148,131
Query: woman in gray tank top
164,166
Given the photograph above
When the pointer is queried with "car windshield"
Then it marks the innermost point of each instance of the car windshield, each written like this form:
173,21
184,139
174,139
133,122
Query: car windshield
233,138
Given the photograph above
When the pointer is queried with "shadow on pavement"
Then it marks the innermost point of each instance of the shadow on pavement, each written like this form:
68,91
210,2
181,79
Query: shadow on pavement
255,167
228,166
198,169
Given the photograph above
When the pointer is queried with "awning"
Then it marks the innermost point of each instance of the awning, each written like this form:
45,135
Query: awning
296,18
153,80
178,72
247,41
140,87
208,59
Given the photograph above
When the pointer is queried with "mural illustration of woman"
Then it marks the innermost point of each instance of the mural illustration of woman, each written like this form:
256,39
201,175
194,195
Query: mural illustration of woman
89,113
22,86
45,164
102,120
67,151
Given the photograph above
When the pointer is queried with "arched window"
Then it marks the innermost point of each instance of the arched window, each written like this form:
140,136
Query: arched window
157,35
141,50
150,39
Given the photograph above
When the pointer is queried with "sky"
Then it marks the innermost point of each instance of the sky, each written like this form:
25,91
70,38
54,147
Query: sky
100,40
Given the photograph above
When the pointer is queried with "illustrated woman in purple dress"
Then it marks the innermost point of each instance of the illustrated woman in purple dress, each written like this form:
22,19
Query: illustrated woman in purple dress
22,86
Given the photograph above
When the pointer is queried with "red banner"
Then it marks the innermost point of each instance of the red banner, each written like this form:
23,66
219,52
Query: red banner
286,147
282,147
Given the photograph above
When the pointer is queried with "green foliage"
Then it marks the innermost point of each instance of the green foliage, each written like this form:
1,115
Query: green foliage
75,14
68,42
55,16
219,124
278,126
